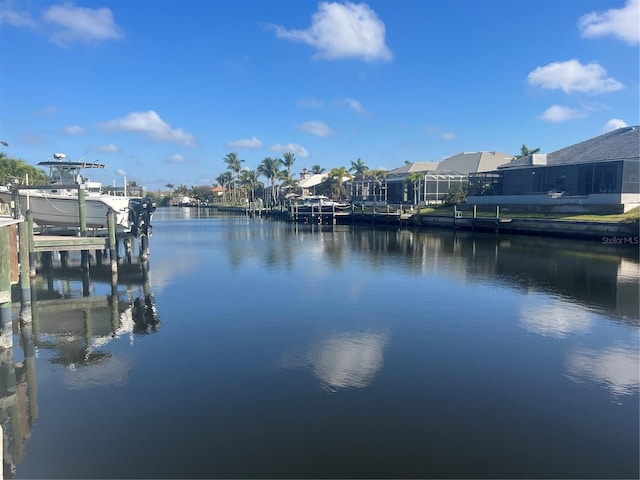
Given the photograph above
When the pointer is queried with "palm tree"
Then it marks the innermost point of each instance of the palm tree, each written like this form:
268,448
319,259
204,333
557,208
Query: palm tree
289,182
13,169
378,177
415,178
288,161
234,164
359,169
317,169
224,179
525,152
336,181
269,168
249,179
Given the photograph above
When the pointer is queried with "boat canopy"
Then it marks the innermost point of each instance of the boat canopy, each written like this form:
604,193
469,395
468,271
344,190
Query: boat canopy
71,165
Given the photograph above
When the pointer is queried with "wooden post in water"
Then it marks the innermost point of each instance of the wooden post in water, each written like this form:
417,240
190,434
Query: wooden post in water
497,218
82,217
64,258
144,247
111,227
475,216
126,242
6,330
32,248
23,257
455,215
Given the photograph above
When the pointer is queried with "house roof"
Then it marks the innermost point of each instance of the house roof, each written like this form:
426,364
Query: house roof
413,167
312,181
472,162
620,144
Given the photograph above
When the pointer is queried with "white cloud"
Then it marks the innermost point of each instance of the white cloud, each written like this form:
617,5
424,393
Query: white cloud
252,142
571,76
354,105
343,30
15,18
310,102
316,127
108,148
294,148
558,113
614,124
49,110
177,158
448,136
121,172
150,124
33,139
432,130
622,23
80,24
74,130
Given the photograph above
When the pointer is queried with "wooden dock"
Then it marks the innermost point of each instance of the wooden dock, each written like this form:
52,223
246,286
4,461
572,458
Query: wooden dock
51,243
20,246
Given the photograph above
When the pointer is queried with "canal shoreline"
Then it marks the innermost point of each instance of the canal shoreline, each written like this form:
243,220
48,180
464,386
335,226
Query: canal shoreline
618,233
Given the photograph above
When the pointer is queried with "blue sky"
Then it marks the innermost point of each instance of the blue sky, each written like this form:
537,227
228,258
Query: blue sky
162,90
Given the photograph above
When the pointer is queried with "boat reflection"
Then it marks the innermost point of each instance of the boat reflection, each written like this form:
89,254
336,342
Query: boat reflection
73,332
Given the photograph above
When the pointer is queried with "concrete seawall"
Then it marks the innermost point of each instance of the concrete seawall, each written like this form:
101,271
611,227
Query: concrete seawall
535,226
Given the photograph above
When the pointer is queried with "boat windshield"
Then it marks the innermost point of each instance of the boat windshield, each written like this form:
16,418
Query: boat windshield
64,176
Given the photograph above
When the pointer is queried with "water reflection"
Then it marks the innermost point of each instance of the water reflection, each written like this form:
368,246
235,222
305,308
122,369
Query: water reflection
18,406
555,319
72,326
585,273
344,360
616,368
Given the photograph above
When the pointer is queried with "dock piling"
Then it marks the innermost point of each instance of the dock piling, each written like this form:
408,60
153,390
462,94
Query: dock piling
6,330
112,241
23,258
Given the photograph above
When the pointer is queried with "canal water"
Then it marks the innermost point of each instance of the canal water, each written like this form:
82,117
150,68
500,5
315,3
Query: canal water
251,348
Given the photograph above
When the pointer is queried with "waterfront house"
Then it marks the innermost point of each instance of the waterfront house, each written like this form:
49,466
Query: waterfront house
309,182
421,183
600,174
435,180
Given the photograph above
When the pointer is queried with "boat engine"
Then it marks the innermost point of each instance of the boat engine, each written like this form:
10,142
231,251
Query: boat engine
140,214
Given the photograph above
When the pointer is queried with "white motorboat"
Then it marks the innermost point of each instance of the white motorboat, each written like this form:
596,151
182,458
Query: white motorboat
318,204
56,203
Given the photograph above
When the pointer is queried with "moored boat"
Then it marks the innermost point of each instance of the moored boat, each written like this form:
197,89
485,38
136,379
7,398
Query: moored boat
319,204
56,203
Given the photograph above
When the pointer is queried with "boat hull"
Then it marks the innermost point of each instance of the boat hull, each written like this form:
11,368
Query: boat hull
57,210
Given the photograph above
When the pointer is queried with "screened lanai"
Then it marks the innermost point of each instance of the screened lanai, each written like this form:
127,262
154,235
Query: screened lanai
416,188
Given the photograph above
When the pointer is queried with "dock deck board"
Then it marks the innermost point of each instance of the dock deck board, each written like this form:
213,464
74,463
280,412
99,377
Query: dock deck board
46,243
